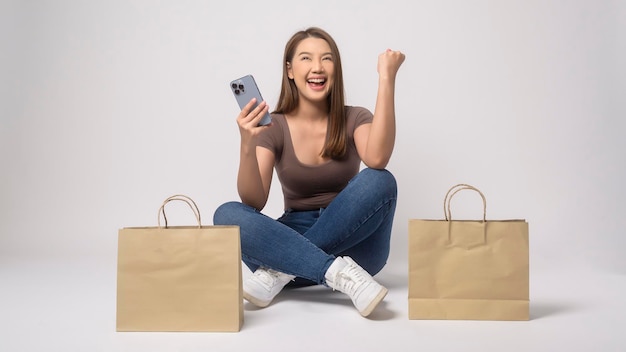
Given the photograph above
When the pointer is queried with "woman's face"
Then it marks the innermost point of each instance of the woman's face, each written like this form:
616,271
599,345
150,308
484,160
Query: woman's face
312,69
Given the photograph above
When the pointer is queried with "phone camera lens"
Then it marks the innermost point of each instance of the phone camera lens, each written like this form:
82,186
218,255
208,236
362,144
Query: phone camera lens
241,87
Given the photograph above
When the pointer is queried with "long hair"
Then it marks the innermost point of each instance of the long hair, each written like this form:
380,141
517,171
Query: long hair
336,137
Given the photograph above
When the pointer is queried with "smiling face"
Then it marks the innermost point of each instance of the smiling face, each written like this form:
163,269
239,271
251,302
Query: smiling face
312,69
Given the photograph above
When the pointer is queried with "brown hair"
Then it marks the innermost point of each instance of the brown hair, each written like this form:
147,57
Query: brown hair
336,137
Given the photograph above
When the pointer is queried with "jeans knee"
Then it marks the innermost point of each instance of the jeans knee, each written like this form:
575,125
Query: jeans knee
381,179
223,215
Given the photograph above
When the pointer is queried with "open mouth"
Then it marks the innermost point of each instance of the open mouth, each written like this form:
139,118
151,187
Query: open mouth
317,82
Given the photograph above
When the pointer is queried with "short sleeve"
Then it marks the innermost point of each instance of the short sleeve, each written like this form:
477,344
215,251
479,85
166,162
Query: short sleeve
359,116
272,137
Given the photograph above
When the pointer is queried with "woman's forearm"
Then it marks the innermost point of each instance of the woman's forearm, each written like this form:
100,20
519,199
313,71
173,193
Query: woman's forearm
382,134
249,181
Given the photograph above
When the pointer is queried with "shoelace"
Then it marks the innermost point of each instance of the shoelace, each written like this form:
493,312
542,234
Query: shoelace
351,280
267,278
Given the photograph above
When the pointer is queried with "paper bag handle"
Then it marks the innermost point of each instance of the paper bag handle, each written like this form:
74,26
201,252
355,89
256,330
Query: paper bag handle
454,190
184,198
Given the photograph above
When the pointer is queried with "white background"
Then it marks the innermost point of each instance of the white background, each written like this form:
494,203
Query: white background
109,107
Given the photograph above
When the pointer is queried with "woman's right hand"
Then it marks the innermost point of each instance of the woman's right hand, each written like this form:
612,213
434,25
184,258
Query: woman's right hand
255,174
248,120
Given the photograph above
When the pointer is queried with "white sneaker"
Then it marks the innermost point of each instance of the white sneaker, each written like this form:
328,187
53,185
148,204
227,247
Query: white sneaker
262,286
347,276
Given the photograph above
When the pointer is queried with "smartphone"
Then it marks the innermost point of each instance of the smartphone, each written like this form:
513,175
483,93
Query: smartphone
245,89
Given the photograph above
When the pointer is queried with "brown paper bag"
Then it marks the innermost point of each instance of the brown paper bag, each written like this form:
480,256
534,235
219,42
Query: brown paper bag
468,270
179,278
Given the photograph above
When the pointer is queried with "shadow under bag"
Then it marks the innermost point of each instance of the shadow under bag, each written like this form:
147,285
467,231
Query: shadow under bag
179,278
468,269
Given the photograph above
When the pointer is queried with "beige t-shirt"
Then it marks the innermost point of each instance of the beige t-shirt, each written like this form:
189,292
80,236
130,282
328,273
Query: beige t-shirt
310,187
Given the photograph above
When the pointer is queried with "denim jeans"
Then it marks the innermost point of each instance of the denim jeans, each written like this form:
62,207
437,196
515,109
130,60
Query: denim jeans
357,223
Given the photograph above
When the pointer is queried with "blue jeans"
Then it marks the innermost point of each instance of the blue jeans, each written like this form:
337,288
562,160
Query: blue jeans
357,223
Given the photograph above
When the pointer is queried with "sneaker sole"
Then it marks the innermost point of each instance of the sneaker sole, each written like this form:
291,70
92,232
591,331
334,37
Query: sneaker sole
370,308
255,301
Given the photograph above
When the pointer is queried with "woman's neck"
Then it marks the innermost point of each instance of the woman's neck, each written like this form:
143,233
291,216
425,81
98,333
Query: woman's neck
310,111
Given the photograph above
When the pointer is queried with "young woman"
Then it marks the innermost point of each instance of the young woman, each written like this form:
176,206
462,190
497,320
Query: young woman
336,227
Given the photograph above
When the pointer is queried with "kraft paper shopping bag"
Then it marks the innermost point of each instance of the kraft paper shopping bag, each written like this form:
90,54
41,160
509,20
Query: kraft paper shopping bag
179,278
466,269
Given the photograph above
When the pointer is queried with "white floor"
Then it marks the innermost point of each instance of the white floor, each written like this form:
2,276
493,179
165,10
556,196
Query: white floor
69,305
